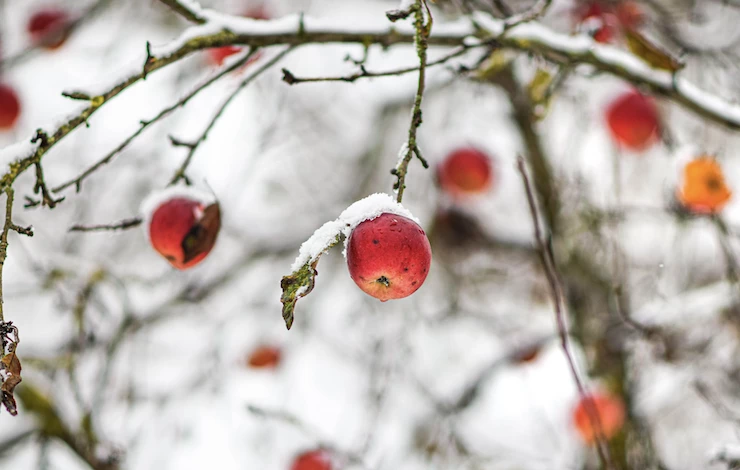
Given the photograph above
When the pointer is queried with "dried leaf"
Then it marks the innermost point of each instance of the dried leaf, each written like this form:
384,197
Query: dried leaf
650,52
201,238
10,368
295,286
300,283
539,85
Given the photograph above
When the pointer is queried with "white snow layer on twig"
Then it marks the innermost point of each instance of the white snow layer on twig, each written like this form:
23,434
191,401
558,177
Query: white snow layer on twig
360,211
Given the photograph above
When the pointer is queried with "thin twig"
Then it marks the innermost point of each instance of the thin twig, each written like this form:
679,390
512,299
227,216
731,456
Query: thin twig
291,79
423,31
180,173
120,225
7,227
184,11
77,182
537,11
547,259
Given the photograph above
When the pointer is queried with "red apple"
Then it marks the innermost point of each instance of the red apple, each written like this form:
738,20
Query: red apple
218,55
630,14
10,107
312,460
265,357
184,230
48,28
610,412
388,256
464,172
595,18
634,121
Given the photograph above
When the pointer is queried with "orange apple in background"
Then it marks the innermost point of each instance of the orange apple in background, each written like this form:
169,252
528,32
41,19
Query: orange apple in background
703,189
466,171
389,256
312,460
10,107
634,121
218,55
264,357
610,411
48,28
183,230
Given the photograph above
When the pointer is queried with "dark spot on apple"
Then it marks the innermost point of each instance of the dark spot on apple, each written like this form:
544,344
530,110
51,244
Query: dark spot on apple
383,280
375,242
414,283
171,258
405,269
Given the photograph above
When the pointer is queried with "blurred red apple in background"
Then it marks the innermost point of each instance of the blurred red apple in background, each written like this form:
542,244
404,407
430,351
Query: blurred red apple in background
218,55
49,28
594,18
610,412
388,256
184,230
312,460
267,357
633,120
10,107
604,20
464,172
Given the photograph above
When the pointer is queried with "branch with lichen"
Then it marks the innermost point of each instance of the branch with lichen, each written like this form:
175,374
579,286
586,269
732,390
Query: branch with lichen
421,40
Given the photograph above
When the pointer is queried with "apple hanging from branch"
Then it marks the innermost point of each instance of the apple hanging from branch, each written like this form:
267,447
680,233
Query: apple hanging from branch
388,253
183,225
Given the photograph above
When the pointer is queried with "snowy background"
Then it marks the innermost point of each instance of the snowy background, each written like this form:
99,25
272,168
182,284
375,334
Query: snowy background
152,362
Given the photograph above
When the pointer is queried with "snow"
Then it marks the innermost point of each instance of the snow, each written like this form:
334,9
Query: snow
158,197
15,152
365,209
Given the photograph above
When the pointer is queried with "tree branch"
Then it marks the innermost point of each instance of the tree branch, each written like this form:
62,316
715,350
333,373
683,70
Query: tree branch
185,11
556,290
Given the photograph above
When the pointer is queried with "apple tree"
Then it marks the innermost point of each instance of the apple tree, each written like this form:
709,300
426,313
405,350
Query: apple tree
502,234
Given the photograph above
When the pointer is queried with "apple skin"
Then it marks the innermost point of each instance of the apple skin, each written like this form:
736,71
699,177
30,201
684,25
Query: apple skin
634,121
48,22
312,460
218,55
611,413
466,171
265,357
10,107
389,256
171,223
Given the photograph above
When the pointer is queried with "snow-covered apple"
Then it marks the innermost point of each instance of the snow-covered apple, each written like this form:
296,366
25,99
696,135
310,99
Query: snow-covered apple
608,411
633,120
49,27
183,226
10,107
388,256
218,55
312,460
465,171
264,357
